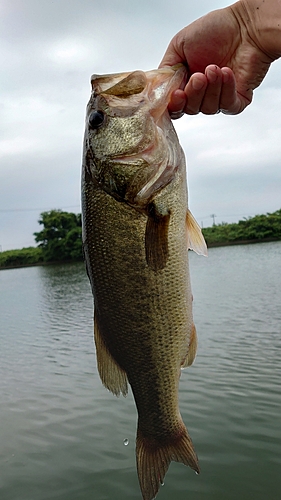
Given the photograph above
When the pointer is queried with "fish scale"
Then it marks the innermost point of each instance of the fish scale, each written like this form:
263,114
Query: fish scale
137,261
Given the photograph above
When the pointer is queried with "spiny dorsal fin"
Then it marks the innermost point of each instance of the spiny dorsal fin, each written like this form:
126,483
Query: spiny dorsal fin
156,239
195,238
112,376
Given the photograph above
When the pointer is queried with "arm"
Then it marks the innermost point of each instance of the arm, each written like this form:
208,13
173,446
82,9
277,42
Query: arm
228,53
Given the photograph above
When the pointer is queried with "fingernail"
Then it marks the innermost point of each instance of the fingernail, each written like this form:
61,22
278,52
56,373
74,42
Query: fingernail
197,84
176,114
225,76
212,76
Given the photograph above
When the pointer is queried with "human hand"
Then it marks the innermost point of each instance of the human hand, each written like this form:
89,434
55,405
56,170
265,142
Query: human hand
225,60
209,92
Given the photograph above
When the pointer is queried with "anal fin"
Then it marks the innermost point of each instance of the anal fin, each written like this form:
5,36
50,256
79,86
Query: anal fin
112,376
192,349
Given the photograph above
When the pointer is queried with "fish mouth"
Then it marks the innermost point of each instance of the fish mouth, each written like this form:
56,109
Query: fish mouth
156,154
134,82
160,85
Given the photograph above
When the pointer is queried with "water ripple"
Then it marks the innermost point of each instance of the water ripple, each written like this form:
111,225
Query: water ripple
62,433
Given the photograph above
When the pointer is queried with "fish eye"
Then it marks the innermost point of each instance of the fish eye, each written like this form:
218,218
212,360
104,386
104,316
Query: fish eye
96,119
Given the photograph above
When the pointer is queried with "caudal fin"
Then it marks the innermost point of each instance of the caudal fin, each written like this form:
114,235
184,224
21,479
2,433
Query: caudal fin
154,458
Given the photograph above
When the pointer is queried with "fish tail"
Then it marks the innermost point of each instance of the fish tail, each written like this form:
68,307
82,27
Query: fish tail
154,458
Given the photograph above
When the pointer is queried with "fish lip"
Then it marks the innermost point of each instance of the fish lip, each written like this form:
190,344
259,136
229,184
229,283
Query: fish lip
185,70
176,77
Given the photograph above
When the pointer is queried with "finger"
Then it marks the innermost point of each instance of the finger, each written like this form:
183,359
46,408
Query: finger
172,56
211,101
195,91
177,101
228,91
231,103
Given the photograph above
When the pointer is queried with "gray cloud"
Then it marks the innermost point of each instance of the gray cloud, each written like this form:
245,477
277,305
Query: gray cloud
48,51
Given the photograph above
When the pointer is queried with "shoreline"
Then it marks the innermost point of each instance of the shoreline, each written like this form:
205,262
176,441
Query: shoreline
36,264
209,245
240,242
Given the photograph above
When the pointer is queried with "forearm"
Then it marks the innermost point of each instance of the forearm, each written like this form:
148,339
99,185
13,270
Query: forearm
263,21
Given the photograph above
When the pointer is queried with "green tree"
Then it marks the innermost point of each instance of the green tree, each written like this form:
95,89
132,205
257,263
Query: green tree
259,228
61,238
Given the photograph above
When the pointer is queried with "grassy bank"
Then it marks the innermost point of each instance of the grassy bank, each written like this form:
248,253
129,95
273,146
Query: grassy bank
26,257
29,256
66,246
261,228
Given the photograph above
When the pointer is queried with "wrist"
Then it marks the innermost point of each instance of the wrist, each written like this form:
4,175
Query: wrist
262,20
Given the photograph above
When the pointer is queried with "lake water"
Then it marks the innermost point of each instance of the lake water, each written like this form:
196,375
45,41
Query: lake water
62,434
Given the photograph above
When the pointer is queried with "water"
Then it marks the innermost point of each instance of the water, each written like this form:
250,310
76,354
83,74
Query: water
62,435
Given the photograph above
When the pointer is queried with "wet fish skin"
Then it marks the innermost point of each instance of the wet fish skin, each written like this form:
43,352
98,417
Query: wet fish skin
135,231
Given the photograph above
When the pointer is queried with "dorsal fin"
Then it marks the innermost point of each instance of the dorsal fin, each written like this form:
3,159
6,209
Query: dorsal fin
195,238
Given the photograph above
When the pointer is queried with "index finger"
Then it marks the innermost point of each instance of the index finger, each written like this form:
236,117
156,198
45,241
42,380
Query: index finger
172,56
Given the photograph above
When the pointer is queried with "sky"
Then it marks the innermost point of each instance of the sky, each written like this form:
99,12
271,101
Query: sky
48,51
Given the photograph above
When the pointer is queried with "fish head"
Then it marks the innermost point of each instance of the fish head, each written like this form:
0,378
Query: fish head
131,149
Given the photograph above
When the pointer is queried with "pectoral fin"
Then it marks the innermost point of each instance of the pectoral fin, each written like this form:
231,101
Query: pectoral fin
195,238
192,349
156,239
112,376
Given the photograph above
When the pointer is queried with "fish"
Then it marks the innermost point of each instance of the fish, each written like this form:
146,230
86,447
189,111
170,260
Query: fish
136,231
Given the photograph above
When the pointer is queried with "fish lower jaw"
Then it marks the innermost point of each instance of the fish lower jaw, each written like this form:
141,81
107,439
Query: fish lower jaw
144,155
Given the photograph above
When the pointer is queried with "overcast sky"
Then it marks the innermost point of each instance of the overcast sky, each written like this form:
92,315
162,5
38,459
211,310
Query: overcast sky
48,51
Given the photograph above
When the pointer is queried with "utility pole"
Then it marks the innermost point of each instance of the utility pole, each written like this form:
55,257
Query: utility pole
213,217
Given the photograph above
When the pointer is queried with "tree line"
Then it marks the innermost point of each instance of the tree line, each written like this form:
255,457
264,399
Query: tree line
60,240
260,228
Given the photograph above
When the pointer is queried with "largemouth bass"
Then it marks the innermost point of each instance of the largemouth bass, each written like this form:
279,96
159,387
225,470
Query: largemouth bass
136,233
